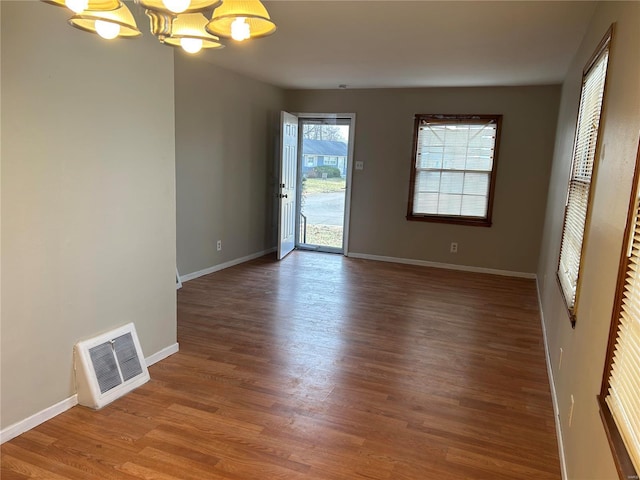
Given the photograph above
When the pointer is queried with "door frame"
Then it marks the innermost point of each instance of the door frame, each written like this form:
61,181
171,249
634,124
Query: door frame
350,152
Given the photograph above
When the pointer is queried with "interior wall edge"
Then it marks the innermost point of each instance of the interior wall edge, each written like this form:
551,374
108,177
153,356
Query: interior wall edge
552,387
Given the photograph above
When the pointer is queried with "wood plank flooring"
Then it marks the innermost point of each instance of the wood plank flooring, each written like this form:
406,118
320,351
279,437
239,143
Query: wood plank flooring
324,367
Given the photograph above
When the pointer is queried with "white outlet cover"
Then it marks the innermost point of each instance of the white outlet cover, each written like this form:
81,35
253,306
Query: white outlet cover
359,165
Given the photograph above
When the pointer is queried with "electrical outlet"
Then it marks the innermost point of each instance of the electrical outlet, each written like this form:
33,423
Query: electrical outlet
571,411
359,165
454,247
219,245
560,359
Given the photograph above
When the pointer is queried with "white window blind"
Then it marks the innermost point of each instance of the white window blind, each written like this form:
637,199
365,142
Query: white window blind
583,163
454,162
623,396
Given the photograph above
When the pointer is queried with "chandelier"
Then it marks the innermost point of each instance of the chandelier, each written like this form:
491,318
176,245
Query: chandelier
190,24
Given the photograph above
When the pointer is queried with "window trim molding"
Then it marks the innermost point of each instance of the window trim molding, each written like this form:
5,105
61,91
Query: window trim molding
621,457
456,220
605,42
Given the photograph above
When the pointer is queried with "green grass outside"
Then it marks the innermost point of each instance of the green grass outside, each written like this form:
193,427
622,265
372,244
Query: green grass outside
318,185
327,235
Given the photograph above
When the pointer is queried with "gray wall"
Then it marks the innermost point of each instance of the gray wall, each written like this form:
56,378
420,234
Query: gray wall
587,451
88,199
226,132
383,141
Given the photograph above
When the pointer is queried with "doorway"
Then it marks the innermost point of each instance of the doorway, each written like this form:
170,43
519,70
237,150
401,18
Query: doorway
325,152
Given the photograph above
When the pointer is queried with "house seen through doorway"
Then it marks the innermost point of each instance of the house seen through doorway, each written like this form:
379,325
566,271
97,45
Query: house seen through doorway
323,172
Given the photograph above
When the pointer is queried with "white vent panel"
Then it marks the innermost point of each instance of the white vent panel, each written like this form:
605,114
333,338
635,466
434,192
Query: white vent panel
108,366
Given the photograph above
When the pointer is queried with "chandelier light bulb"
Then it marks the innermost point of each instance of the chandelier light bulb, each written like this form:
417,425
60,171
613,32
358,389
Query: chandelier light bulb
77,6
107,30
240,30
191,45
177,6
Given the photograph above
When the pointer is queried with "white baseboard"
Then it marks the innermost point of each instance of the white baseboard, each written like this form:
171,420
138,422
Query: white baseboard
48,413
552,386
162,354
36,419
222,266
447,266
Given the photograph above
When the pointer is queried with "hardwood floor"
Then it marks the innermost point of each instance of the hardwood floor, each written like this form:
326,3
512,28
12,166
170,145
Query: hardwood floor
324,367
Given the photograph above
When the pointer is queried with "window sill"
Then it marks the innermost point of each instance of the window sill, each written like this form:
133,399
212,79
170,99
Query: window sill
470,221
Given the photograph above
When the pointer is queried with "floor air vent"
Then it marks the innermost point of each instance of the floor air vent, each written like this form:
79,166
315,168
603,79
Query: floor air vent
108,366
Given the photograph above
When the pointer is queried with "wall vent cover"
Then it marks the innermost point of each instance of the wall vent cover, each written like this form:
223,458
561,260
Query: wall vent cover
108,366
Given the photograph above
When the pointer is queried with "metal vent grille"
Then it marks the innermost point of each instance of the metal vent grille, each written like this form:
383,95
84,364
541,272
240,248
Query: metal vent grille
109,366
104,364
127,356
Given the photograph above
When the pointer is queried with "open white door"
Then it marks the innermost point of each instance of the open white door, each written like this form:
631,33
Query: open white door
287,185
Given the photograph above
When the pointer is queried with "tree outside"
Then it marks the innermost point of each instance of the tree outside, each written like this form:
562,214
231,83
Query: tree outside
314,131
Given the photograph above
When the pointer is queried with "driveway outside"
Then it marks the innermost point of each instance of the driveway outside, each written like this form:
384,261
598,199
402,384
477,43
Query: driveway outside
324,208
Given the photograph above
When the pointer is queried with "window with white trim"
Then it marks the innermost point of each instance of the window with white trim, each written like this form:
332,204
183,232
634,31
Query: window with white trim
582,167
454,168
620,394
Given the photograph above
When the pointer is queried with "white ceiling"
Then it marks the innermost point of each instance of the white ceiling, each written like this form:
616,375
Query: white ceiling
419,43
